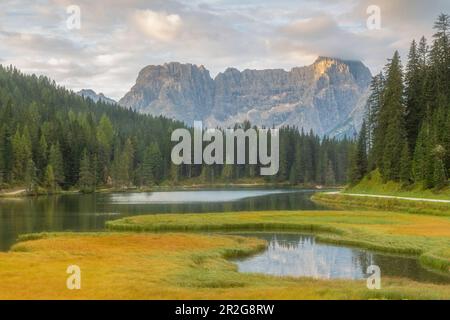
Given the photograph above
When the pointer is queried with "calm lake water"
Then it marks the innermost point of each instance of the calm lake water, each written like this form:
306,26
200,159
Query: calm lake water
302,256
89,212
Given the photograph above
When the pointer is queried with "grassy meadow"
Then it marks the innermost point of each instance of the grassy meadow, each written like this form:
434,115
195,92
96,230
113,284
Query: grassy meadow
373,183
169,266
343,201
189,256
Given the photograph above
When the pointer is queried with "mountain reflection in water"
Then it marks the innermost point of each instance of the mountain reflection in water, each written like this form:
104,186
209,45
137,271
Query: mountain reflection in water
302,256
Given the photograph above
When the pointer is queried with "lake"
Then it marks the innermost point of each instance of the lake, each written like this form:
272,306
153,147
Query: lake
302,256
90,212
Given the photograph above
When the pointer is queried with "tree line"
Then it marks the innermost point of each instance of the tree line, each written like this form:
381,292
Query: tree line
406,132
53,139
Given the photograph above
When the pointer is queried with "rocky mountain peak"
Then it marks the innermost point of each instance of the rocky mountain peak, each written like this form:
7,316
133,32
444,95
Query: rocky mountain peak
91,94
324,96
323,65
357,69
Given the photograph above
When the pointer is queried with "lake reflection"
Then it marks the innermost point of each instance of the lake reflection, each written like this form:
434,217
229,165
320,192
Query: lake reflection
301,256
189,196
90,212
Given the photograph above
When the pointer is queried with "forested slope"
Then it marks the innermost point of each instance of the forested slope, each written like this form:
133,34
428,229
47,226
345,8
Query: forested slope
406,136
50,138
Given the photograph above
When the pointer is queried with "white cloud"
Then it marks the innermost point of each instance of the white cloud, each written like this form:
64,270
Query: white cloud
158,25
57,62
118,38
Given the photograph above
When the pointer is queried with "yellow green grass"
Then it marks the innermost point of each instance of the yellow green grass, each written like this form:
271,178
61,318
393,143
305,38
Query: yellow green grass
374,184
169,256
342,201
428,237
168,266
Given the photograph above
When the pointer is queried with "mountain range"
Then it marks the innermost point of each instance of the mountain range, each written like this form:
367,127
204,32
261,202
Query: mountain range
328,96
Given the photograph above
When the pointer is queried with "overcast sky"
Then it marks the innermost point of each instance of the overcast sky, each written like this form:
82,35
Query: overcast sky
117,38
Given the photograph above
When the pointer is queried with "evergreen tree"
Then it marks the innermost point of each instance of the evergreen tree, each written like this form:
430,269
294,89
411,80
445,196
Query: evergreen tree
31,180
119,171
405,164
18,156
175,173
284,169
55,160
147,169
330,178
439,58
298,167
87,179
392,114
359,159
105,137
2,158
422,52
21,148
420,156
207,174
6,155
293,175
42,153
228,172
155,160
423,166
123,163
439,172
414,94
374,104
151,166
27,143
446,143
49,179
439,175
128,161
105,133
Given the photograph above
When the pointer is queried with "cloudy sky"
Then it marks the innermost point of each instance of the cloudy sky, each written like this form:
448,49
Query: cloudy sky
117,38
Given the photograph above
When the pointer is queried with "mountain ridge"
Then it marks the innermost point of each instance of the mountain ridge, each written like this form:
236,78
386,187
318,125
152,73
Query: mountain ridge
327,95
91,94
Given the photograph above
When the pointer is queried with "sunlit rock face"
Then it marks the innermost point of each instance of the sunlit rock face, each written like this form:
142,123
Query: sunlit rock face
328,96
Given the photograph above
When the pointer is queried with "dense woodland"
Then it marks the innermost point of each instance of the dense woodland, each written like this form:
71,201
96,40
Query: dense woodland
406,135
51,139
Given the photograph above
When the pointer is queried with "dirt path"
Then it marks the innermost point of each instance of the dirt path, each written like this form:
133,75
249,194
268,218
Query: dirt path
390,197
